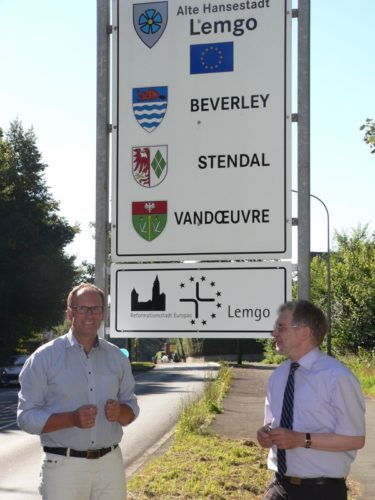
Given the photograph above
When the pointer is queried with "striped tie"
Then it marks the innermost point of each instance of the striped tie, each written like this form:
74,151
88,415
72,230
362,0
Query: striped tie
287,416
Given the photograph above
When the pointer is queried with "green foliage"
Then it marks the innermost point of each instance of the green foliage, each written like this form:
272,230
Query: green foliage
369,137
192,347
197,415
204,466
200,464
35,272
86,272
142,366
61,329
159,355
363,366
26,345
180,347
353,290
271,357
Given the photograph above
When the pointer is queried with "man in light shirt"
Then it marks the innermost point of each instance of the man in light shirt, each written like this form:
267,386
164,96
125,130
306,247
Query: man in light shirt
77,392
328,423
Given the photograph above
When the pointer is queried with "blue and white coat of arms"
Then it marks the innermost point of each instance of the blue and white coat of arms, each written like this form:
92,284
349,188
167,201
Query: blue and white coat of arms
150,106
150,21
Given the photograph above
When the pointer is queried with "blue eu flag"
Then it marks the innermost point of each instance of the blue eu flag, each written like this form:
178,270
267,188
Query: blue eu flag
211,58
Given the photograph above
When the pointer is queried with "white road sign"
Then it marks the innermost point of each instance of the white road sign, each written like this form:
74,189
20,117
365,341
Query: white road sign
201,132
206,300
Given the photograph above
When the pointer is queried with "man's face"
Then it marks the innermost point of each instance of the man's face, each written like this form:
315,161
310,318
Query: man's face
286,335
86,323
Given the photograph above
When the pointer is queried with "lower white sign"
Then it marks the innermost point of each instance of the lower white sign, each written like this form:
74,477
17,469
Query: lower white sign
237,300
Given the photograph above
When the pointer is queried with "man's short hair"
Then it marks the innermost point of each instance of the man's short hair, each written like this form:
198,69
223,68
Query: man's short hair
77,288
304,313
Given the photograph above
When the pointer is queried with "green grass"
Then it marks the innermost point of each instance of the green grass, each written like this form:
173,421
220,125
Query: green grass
200,464
203,466
196,416
140,366
363,366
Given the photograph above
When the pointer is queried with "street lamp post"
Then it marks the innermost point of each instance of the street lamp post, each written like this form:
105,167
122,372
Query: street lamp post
328,278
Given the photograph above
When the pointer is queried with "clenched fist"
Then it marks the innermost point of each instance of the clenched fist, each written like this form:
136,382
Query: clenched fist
84,417
112,410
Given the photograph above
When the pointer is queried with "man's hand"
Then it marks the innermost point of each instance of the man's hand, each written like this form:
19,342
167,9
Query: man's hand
263,437
85,416
286,439
112,410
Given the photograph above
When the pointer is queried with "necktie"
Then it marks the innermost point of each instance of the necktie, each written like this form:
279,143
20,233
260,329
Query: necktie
286,415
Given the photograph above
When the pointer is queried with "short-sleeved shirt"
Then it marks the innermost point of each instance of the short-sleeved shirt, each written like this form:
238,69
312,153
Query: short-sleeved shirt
327,398
61,377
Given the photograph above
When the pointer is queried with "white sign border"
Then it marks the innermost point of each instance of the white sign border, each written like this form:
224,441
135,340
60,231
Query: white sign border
283,253
194,333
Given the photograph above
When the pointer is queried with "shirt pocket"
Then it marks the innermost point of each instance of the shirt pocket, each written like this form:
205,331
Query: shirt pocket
107,386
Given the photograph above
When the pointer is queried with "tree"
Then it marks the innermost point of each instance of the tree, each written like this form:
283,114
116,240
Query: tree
35,273
369,137
87,272
353,289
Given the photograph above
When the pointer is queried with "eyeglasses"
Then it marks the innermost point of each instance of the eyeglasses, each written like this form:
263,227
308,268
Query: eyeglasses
282,328
87,309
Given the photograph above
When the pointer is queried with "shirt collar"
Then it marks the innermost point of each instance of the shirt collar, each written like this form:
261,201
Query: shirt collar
309,358
71,341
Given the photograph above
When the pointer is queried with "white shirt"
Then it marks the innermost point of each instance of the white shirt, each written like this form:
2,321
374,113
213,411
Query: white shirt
60,377
327,398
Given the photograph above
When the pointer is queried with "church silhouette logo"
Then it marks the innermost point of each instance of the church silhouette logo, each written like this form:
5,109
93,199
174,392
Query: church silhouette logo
157,303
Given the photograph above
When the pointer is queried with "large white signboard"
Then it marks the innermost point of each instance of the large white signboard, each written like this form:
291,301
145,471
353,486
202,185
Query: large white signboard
201,130
206,300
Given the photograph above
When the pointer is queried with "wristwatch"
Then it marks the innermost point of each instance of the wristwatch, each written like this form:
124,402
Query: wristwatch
307,440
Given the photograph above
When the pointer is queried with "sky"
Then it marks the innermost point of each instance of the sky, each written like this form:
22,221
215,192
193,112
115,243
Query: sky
48,82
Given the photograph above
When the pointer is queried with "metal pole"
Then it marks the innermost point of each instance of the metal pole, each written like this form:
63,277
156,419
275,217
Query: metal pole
328,277
329,294
102,148
304,149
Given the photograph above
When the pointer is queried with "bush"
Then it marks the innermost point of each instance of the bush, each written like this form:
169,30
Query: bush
271,357
196,416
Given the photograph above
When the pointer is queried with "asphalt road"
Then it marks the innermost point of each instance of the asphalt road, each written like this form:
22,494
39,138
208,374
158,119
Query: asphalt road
161,393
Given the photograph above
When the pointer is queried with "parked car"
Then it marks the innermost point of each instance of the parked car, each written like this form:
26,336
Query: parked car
11,369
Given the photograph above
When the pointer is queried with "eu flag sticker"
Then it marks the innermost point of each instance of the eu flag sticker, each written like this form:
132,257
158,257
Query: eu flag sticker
211,58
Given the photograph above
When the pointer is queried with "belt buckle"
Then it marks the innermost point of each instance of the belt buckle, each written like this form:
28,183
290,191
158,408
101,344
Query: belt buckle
295,480
92,454
321,480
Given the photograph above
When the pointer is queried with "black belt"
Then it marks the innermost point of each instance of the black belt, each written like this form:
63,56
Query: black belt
90,454
317,481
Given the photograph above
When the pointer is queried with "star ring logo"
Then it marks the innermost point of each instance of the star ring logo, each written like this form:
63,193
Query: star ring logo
204,297
211,58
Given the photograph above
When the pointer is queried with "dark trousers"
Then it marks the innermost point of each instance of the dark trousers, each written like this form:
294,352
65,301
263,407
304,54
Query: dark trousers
280,489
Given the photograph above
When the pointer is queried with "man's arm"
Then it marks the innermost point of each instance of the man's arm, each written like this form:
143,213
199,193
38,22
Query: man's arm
84,418
116,412
287,439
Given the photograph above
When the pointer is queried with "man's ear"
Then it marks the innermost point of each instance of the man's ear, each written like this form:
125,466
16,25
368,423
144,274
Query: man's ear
69,314
306,333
